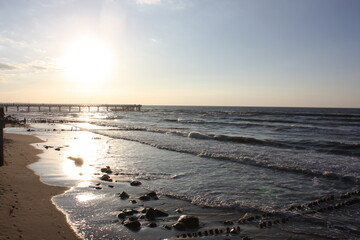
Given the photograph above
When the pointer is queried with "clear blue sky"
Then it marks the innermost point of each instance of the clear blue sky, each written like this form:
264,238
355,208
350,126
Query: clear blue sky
181,52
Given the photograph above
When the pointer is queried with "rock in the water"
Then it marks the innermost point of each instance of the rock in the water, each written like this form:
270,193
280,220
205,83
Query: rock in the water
141,209
151,194
179,226
233,231
179,210
135,183
159,213
152,225
133,218
168,227
189,221
144,198
106,177
227,222
107,170
133,225
150,214
129,211
124,195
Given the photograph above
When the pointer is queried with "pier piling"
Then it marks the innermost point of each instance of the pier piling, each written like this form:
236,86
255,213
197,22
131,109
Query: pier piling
2,125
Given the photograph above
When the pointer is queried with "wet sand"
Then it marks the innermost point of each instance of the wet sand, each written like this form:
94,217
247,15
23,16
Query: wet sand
26,209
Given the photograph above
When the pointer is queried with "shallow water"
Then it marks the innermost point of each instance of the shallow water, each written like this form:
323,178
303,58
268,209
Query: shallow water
233,160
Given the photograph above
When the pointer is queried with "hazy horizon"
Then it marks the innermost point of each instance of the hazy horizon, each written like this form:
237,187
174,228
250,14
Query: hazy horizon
166,105
181,52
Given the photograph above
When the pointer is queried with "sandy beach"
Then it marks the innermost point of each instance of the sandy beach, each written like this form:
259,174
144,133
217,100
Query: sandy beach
26,209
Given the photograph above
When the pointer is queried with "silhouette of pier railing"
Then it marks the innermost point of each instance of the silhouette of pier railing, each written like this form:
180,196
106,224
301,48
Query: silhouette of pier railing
41,107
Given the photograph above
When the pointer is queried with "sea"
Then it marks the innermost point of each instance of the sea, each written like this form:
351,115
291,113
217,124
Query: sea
295,170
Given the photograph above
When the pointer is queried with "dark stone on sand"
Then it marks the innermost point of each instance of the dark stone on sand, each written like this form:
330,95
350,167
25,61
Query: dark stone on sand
124,195
188,221
144,198
133,225
122,215
110,186
98,188
133,201
152,225
57,149
135,183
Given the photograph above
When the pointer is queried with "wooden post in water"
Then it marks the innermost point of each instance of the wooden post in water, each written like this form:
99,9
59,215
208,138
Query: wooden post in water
2,125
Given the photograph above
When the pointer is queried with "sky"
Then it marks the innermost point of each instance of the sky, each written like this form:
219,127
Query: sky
298,53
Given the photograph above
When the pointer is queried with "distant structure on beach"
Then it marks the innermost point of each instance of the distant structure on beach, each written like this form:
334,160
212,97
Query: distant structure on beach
43,107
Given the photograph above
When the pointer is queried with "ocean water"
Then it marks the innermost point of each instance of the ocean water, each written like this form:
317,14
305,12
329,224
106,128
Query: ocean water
229,159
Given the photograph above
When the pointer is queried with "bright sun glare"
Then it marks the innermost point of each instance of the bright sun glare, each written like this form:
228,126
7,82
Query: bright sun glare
88,60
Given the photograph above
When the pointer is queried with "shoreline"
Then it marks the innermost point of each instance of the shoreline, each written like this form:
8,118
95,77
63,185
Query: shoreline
27,210
100,198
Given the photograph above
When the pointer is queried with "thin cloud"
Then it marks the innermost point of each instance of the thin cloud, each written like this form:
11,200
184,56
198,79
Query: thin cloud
155,40
150,2
4,66
7,42
39,68
40,65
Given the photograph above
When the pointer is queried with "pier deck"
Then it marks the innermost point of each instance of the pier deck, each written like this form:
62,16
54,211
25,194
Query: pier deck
42,107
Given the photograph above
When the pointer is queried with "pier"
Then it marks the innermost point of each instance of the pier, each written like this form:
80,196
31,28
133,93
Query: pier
42,107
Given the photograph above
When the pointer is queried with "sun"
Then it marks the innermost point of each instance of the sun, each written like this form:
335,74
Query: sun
88,60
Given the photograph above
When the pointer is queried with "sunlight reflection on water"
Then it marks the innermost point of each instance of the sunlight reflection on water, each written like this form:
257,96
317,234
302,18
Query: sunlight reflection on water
86,197
80,158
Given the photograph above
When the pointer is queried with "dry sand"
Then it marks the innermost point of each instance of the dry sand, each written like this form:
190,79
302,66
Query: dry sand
26,209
